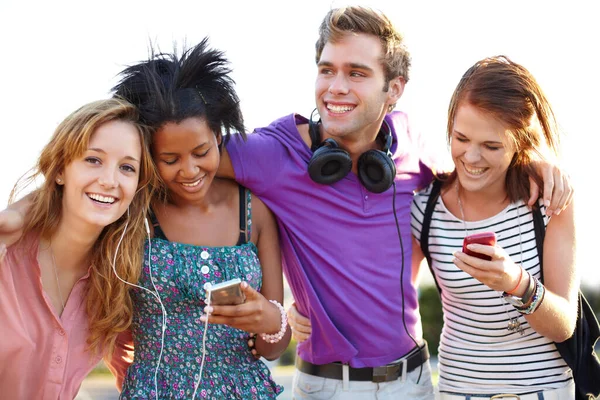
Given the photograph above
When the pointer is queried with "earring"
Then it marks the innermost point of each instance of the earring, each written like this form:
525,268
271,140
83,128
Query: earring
59,181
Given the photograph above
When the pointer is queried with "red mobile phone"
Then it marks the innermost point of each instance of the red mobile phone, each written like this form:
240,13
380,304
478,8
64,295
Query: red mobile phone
485,238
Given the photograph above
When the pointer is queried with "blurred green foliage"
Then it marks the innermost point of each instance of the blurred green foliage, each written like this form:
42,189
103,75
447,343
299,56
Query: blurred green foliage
430,308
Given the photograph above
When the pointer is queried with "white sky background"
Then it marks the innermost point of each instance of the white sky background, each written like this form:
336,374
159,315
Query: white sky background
58,55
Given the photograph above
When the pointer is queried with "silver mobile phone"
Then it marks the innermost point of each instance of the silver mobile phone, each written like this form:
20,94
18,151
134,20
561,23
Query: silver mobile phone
227,293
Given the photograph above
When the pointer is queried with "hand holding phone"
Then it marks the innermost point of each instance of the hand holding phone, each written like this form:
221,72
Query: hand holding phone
485,238
227,293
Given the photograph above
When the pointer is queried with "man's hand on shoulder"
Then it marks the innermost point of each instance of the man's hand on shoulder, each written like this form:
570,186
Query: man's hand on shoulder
11,229
557,191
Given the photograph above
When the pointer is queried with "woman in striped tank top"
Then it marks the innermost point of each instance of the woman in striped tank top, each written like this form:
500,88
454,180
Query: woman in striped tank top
500,321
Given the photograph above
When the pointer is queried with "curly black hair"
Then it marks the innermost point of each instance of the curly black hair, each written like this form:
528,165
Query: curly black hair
171,88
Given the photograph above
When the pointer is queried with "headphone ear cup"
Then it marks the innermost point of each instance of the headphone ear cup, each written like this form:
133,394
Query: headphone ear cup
376,171
329,164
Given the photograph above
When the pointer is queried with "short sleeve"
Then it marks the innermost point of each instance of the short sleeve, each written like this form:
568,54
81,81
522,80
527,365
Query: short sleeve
257,162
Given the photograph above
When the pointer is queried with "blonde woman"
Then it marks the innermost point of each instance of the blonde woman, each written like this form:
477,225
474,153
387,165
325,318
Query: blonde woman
62,306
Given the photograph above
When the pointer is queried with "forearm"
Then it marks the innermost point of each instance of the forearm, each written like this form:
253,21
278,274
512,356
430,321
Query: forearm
555,318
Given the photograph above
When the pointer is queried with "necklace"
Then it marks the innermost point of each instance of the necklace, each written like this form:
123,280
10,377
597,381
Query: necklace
513,322
62,302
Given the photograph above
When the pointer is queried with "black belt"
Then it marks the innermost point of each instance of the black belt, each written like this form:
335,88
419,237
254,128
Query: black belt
386,373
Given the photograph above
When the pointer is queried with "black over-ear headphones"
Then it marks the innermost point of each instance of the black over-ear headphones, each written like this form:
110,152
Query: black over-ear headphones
330,163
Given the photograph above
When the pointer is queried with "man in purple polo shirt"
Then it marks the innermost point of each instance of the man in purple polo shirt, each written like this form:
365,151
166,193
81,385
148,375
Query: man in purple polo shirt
343,258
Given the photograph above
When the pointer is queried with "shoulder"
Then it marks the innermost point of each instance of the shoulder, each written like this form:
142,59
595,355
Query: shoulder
284,126
261,214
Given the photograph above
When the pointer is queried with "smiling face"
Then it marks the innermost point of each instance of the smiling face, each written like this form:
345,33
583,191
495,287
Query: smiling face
480,149
187,158
99,185
349,90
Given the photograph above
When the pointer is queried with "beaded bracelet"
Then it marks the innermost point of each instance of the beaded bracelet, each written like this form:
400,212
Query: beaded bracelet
535,303
276,337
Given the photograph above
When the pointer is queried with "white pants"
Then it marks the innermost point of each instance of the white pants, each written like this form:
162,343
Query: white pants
312,387
565,393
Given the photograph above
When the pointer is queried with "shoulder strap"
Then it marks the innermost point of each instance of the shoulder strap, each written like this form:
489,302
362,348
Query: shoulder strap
540,232
243,238
433,197
158,232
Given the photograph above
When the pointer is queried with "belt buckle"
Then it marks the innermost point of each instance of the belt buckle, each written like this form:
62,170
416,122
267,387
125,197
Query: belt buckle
379,374
505,396
387,372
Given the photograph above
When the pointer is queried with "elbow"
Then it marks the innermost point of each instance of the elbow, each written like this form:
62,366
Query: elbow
562,333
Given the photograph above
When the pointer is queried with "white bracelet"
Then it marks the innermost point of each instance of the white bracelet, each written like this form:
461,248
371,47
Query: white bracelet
276,337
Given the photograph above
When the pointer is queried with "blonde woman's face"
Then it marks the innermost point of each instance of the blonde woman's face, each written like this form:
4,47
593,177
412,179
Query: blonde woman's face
99,186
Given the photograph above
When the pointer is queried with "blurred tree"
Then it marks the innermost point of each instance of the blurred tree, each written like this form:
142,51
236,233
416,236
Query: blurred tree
430,308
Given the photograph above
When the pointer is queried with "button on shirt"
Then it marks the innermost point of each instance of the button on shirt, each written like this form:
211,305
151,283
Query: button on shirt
42,355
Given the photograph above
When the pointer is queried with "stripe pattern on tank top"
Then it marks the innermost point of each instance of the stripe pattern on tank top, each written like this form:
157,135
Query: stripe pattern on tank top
478,354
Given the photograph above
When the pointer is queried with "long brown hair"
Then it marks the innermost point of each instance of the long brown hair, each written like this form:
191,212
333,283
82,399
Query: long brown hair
508,92
108,304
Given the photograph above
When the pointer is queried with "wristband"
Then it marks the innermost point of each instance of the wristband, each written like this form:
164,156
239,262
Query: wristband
518,282
536,300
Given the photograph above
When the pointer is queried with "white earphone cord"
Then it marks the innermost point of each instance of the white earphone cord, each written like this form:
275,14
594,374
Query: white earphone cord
155,294
163,310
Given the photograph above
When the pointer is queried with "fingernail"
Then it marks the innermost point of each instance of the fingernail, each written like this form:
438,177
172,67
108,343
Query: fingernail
547,203
549,213
557,212
244,285
208,309
203,318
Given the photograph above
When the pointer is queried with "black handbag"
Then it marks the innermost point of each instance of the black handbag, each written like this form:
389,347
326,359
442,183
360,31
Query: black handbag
577,351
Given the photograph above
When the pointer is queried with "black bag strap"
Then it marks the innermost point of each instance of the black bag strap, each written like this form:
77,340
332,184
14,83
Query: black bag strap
424,240
243,238
540,233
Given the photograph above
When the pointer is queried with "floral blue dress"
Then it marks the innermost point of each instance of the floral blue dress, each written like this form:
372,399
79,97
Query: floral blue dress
179,272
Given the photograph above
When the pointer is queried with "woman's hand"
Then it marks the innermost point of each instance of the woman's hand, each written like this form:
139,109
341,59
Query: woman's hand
500,274
256,314
300,325
11,229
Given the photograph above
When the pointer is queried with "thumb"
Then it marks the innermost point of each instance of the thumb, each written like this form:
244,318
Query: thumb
249,291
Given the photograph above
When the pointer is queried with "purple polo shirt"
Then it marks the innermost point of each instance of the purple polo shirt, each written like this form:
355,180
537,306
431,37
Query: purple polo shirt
340,247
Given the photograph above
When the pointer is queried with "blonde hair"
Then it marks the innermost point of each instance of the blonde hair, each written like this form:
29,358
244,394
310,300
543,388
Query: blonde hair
108,304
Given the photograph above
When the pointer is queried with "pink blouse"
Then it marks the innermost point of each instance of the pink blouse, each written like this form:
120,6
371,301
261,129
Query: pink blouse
42,355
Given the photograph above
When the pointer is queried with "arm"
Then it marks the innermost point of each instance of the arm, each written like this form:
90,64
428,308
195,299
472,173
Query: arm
121,358
12,222
557,314
418,259
558,191
270,258
257,314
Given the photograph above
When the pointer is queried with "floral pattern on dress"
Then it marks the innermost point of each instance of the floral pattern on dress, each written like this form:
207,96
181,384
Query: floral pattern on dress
179,273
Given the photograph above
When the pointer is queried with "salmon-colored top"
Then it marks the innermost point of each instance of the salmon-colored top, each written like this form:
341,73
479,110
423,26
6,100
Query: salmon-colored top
43,356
